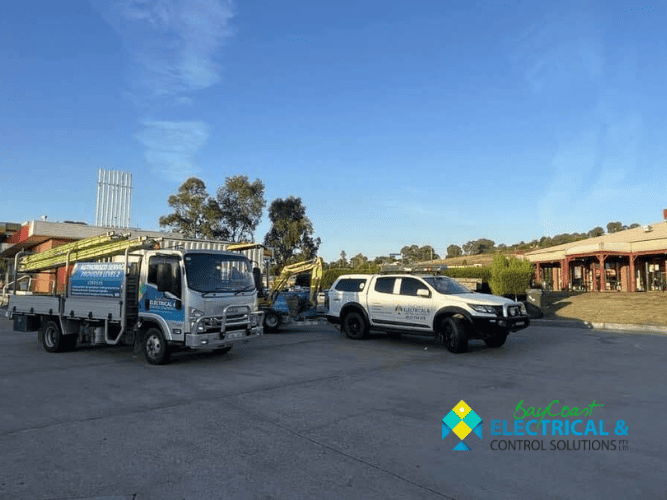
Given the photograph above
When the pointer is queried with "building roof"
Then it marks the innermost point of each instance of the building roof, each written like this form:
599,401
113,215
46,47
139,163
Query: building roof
642,239
35,232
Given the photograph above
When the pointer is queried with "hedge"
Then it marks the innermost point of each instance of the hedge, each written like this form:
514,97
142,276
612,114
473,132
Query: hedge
510,276
483,273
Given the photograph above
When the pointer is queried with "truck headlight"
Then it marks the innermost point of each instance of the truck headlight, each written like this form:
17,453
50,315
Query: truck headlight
523,309
195,314
254,320
482,309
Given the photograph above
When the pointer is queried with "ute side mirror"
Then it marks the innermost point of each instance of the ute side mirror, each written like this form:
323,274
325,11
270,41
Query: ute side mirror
423,292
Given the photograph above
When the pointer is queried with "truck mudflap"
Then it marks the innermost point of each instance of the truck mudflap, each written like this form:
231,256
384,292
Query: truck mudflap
225,331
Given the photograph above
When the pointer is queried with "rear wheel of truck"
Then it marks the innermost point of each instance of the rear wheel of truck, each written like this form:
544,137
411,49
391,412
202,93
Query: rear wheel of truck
155,347
497,340
271,321
354,326
54,341
454,334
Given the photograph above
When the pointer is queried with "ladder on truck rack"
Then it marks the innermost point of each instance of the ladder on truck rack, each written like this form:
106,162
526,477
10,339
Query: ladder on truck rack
88,249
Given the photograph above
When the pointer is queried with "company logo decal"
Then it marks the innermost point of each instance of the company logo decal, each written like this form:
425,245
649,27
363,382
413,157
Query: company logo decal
462,420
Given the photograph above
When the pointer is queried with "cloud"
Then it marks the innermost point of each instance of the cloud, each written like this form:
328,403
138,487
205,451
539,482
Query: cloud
595,176
560,51
174,44
171,147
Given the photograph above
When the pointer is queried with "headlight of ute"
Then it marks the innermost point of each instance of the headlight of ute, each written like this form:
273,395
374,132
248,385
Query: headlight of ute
195,314
482,309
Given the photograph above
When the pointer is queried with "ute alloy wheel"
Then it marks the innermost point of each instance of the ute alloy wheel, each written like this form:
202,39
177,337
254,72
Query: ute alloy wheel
155,347
354,326
454,335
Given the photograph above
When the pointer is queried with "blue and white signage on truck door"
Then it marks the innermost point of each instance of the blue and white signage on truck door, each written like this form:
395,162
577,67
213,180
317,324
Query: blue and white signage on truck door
161,293
153,301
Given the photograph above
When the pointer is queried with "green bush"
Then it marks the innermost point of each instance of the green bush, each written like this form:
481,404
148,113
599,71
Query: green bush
510,276
483,273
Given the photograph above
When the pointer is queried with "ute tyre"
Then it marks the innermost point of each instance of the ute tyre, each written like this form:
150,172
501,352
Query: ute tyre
271,321
354,326
496,340
223,350
454,335
155,347
52,338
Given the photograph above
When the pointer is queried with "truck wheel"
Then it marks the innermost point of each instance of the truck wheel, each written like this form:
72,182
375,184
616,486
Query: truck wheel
271,321
454,335
52,338
155,347
354,326
496,340
223,350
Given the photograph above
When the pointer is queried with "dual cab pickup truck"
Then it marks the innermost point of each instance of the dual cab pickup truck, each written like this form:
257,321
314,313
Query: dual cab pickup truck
428,305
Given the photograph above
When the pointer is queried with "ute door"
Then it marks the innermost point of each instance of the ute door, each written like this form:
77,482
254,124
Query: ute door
161,294
413,305
381,301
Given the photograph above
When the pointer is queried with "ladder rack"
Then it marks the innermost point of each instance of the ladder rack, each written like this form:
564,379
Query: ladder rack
88,249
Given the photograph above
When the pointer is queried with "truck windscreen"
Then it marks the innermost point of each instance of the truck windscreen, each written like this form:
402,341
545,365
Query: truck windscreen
218,273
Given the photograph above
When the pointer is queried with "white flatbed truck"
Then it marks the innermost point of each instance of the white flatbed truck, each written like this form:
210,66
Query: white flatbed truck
131,292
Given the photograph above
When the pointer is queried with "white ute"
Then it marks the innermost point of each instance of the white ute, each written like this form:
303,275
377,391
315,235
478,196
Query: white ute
427,305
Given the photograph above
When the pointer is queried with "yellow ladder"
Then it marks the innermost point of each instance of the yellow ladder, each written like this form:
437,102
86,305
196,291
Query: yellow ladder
87,249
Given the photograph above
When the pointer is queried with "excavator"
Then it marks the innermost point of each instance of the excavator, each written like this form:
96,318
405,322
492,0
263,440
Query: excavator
294,305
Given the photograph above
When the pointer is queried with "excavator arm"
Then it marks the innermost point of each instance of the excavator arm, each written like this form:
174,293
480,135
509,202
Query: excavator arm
315,265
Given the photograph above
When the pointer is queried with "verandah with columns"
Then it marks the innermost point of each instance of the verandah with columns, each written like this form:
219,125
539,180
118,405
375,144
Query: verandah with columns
605,271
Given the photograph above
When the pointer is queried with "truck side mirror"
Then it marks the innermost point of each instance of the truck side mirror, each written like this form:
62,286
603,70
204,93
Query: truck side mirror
257,275
423,292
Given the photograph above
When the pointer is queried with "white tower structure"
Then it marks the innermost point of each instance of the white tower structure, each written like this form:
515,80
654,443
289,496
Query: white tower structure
114,198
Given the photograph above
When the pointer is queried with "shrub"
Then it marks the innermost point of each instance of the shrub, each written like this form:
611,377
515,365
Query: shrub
510,276
483,273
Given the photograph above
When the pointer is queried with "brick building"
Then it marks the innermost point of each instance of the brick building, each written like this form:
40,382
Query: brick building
631,260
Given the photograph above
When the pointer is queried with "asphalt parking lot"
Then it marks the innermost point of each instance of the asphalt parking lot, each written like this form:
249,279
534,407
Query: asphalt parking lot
308,413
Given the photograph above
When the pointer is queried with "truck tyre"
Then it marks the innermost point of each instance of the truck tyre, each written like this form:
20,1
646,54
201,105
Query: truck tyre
496,341
53,340
223,350
271,321
155,347
454,335
354,326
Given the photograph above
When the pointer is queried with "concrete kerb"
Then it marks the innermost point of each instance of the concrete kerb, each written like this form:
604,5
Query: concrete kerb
614,327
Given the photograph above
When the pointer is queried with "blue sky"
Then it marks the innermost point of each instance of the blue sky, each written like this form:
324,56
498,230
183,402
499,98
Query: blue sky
397,123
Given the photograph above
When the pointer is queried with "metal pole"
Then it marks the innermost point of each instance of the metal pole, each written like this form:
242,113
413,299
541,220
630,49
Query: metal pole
129,204
97,208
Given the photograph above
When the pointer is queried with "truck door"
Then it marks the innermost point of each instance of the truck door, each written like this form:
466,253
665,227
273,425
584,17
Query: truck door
161,294
413,310
381,301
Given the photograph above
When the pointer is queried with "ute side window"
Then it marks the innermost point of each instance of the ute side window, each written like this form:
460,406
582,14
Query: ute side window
409,286
385,285
165,274
351,285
